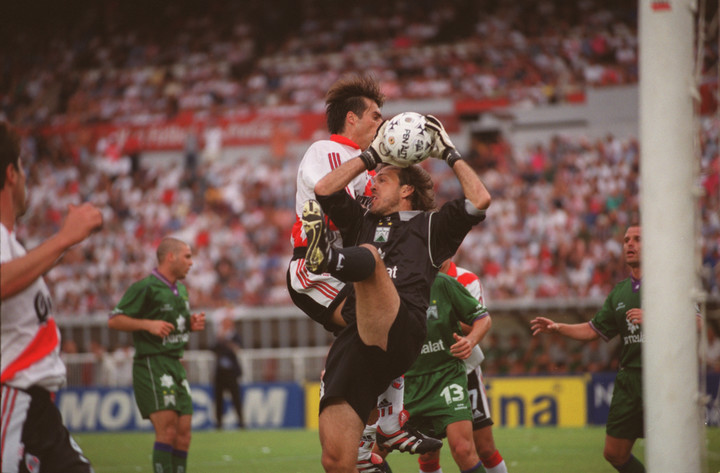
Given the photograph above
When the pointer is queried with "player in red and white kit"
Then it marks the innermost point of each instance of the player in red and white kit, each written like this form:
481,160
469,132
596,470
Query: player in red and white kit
482,422
32,435
353,117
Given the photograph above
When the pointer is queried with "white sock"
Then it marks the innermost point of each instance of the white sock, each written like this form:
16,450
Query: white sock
367,442
390,405
499,468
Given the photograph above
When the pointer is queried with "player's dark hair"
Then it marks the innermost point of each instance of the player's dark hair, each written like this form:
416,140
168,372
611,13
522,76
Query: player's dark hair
346,95
9,149
168,245
424,196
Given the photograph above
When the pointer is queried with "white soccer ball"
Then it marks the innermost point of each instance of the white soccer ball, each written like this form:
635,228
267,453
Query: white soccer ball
407,140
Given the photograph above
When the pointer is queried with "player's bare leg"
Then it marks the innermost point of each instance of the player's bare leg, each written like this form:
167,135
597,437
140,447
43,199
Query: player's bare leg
462,446
340,431
487,451
377,304
165,423
618,452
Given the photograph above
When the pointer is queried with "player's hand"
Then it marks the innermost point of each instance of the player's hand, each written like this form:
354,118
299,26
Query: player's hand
80,222
543,325
462,348
443,148
160,328
634,316
197,322
377,152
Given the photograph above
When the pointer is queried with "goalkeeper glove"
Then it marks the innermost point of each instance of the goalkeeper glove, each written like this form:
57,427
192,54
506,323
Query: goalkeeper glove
378,152
444,148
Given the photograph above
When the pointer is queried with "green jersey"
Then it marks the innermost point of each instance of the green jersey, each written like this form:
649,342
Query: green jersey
611,320
450,304
155,298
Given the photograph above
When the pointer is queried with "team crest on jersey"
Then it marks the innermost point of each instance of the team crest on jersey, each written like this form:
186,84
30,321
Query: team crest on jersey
381,234
432,312
32,463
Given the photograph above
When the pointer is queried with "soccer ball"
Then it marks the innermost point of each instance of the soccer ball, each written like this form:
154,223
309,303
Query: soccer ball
407,140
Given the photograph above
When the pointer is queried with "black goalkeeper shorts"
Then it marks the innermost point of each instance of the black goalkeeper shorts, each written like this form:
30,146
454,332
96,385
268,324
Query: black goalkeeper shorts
358,373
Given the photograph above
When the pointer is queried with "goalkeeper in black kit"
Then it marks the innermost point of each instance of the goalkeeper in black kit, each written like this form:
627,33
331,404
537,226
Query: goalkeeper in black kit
401,241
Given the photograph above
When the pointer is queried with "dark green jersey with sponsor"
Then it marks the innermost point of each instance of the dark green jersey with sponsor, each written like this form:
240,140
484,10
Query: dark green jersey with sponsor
156,299
611,320
450,304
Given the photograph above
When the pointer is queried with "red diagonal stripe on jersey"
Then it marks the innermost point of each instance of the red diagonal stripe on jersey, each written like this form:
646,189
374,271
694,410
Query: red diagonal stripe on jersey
335,162
467,278
334,159
324,288
9,395
43,344
296,234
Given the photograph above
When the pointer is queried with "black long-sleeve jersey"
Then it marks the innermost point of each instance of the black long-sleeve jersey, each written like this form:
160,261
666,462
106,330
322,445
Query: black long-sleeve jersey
413,244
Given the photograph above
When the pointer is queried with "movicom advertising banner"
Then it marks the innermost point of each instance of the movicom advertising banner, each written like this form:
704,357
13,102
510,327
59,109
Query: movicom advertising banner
265,405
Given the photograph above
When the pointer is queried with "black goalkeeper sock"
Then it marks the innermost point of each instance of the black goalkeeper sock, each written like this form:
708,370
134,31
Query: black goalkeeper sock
351,264
633,465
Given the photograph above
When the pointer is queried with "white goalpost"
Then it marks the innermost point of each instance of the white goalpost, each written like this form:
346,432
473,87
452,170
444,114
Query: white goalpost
673,426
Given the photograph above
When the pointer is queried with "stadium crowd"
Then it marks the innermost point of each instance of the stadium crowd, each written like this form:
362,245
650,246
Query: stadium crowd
99,62
559,209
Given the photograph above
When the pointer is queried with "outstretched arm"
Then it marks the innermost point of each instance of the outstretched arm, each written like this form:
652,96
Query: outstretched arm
19,273
473,188
583,332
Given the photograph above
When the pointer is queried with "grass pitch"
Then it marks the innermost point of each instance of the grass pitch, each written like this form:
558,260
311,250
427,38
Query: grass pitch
526,450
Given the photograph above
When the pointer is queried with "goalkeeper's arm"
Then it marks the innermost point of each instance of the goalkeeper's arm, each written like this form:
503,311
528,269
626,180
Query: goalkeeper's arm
473,188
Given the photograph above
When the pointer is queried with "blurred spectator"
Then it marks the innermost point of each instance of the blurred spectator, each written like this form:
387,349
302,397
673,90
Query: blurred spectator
515,355
227,370
122,357
494,362
595,357
536,358
191,150
712,357
212,139
560,357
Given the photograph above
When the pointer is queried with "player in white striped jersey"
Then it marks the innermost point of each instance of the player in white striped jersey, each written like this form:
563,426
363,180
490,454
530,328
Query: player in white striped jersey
32,435
353,117
482,422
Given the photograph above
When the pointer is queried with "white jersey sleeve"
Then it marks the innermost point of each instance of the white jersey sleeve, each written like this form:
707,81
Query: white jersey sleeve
319,160
30,342
472,283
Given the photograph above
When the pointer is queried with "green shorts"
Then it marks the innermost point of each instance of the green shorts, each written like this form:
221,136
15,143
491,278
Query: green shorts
160,383
626,416
436,400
